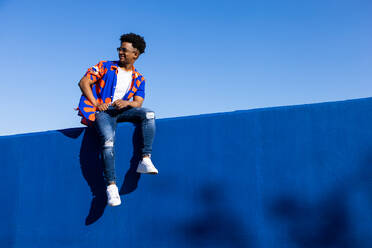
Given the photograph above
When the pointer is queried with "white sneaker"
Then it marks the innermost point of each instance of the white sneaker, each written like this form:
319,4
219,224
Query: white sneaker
113,197
146,166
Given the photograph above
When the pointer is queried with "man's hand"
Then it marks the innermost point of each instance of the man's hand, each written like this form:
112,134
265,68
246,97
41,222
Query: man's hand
103,106
120,104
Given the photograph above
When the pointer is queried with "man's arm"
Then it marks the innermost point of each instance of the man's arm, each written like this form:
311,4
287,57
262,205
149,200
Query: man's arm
85,86
136,103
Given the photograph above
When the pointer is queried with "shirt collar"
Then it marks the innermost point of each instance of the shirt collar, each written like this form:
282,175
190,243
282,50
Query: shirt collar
135,73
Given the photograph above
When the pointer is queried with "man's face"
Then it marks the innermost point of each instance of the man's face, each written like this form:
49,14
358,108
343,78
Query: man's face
127,53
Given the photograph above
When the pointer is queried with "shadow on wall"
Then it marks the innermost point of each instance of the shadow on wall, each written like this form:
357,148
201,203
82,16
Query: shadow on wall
91,165
325,224
131,178
333,221
73,133
216,225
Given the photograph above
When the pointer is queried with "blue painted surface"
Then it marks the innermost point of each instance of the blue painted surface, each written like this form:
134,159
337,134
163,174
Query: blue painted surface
298,176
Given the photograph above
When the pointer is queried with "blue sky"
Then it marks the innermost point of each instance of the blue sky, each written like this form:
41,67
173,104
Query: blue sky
202,56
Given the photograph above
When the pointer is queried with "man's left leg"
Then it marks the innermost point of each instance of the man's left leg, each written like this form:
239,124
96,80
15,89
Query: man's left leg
146,119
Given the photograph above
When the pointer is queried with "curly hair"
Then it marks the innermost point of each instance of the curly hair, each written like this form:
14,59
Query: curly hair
137,41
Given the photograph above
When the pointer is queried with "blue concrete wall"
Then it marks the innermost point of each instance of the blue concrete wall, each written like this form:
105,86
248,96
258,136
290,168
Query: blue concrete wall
298,176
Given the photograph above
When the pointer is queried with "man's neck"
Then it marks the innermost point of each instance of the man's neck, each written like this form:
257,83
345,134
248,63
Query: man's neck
127,67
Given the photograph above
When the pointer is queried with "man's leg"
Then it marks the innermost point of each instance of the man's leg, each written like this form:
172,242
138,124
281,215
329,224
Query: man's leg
106,126
146,119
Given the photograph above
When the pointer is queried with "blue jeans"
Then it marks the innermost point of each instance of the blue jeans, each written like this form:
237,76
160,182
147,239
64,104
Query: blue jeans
105,124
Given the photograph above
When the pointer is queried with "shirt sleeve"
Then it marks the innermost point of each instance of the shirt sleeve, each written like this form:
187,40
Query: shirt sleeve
141,89
96,72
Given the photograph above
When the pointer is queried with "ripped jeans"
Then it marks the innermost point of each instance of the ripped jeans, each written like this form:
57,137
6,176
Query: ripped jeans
105,125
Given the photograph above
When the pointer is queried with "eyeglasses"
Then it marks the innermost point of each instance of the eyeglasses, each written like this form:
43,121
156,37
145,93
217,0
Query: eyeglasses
123,49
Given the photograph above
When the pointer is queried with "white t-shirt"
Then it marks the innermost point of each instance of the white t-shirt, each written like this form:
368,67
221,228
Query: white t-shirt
124,80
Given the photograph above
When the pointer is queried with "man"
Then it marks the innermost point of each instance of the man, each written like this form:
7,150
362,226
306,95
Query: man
106,92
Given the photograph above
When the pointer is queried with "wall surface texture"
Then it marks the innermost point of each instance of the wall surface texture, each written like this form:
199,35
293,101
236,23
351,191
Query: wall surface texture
297,176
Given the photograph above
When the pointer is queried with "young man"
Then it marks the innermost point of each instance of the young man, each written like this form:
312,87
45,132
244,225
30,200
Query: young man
107,89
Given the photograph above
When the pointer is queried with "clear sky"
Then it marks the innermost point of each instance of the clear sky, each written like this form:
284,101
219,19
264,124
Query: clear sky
202,56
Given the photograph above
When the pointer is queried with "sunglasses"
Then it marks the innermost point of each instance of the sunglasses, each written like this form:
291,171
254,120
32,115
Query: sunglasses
123,49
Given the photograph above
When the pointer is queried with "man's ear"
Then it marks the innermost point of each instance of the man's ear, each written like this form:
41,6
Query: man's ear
136,54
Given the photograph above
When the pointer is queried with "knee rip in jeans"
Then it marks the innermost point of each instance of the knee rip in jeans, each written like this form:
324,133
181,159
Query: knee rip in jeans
108,143
150,115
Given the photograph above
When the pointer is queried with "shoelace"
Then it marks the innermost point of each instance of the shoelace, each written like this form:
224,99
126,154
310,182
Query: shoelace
113,192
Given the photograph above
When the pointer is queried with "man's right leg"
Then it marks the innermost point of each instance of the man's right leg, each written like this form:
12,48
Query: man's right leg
106,126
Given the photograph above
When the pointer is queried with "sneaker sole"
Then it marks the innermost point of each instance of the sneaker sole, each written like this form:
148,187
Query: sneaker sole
147,172
114,205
